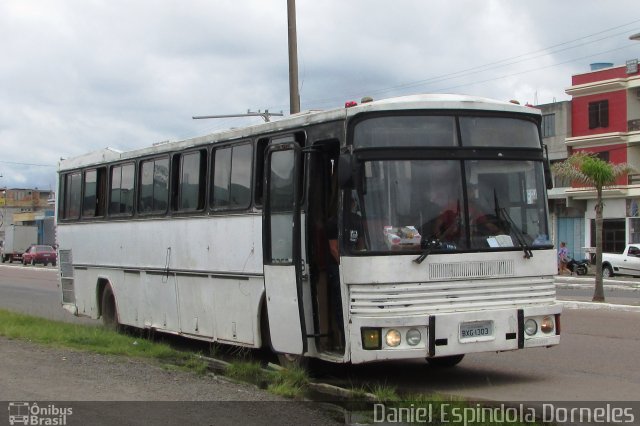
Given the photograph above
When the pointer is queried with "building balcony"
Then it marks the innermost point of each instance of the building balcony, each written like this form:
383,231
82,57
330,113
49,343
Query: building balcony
633,179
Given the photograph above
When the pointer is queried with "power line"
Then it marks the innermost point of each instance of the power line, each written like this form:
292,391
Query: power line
15,163
496,64
533,70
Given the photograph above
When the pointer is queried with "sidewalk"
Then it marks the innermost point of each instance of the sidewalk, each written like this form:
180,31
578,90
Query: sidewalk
627,285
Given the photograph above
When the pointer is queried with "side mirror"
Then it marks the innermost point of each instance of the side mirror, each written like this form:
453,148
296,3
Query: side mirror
345,171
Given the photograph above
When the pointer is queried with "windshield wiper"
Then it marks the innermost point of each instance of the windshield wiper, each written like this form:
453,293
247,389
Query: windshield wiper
431,244
503,214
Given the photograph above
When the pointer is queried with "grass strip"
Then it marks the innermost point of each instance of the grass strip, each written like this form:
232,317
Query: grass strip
290,383
93,339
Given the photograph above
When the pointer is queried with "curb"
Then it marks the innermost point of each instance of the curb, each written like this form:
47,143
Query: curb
607,287
561,279
571,304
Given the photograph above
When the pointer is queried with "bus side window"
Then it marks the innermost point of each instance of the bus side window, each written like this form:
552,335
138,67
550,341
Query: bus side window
72,200
231,177
121,189
258,180
189,181
154,185
94,199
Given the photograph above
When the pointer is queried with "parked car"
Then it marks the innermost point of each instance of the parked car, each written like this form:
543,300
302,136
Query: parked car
40,254
627,263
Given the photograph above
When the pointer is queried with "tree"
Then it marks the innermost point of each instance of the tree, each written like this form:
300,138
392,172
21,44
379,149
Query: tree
589,170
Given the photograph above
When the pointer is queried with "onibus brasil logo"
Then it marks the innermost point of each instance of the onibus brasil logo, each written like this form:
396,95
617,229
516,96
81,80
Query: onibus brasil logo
27,413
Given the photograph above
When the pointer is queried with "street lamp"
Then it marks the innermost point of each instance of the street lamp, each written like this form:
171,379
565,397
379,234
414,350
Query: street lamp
635,37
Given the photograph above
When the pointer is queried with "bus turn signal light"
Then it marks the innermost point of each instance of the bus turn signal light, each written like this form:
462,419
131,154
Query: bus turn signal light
371,338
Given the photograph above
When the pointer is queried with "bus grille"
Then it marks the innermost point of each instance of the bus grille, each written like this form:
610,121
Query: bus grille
427,298
66,277
466,270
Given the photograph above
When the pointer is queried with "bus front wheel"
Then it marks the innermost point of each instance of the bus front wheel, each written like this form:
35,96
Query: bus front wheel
291,362
109,310
445,361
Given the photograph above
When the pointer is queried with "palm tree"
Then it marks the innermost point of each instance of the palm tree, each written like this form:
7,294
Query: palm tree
587,169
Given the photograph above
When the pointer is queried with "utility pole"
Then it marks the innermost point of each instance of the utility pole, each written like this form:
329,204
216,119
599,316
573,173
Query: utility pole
294,94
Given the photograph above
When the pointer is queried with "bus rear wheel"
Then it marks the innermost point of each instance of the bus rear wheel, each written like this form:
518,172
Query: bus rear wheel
445,361
109,310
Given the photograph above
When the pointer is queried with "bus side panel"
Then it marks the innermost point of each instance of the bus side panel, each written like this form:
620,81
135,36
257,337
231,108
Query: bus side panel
159,304
219,308
236,303
86,286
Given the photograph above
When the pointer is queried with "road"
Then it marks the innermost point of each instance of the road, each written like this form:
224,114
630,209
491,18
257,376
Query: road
596,360
33,290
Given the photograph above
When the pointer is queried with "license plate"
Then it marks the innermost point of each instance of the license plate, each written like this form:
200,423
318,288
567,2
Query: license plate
476,330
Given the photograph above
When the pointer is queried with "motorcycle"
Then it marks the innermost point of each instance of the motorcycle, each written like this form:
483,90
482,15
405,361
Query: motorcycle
580,267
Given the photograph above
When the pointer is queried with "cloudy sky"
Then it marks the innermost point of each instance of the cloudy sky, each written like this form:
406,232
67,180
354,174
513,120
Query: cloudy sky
81,75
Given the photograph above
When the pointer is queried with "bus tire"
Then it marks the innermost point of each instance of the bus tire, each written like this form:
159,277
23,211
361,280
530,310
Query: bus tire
291,362
445,361
108,309
265,333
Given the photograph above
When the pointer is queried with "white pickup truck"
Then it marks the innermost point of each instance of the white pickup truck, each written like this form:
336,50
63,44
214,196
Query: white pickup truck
627,263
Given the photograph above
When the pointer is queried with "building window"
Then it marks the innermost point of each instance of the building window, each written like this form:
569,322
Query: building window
548,125
598,114
634,230
613,235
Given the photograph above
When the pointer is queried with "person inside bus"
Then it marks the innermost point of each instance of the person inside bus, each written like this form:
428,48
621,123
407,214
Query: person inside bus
443,215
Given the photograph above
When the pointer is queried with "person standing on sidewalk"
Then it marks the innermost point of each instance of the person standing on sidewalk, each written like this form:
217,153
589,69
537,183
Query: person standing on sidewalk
563,258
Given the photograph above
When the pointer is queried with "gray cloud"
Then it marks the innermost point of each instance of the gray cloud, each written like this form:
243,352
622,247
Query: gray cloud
81,75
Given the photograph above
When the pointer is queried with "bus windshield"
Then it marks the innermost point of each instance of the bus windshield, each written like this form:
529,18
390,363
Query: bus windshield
406,203
467,197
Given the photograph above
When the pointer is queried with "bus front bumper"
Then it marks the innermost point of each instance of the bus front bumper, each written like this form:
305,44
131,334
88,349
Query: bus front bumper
453,333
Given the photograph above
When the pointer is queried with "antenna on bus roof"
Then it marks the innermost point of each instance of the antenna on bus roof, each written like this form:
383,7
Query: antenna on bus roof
266,115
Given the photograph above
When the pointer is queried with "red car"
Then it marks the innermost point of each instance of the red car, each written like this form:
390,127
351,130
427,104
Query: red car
40,254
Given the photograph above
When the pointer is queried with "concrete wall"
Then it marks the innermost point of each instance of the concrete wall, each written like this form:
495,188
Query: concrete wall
556,146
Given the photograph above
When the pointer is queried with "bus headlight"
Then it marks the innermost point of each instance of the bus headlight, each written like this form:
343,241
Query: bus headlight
413,337
530,327
393,338
547,325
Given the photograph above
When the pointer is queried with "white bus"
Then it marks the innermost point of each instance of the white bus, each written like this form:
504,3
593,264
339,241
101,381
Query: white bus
413,227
